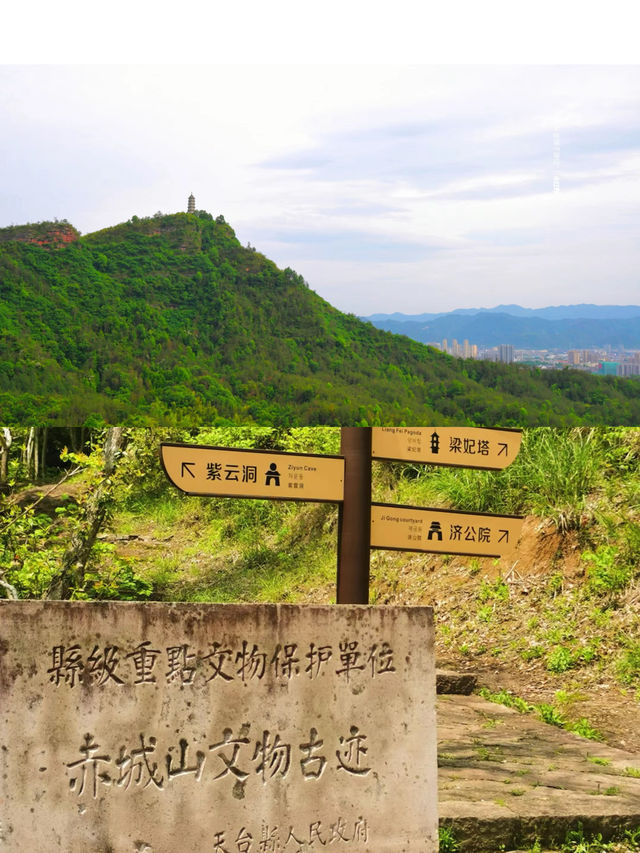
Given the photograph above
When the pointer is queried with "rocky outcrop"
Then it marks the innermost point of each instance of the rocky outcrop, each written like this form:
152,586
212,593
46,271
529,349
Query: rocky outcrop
50,234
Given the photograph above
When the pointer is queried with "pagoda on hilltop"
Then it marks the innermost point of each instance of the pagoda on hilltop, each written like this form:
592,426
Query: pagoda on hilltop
191,204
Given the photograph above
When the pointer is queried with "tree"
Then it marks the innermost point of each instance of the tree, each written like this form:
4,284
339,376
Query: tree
96,512
5,444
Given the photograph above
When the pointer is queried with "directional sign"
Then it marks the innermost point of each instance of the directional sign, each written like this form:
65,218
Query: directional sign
406,528
225,472
465,447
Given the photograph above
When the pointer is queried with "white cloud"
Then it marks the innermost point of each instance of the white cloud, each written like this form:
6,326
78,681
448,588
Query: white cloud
336,169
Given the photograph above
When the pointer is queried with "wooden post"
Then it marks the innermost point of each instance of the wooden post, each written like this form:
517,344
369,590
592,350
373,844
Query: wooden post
354,517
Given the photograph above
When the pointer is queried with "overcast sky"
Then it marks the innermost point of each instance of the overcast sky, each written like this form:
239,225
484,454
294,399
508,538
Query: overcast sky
389,188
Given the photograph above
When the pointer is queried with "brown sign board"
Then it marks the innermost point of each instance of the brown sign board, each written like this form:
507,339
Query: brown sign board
466,447
440,531
231,473
149,727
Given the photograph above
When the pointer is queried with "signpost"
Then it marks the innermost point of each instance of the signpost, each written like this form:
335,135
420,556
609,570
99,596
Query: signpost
346,480
407,528
224,472
465,447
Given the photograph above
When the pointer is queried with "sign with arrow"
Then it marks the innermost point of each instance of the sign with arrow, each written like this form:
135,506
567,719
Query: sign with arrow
407,528
464,447
226,472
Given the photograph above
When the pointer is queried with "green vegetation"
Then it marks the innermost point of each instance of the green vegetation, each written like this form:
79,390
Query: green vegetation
169,320
237,559
560,618
556,472
577,841
628,665
447,840
548,713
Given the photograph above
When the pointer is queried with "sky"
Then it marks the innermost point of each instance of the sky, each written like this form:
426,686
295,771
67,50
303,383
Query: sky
389,186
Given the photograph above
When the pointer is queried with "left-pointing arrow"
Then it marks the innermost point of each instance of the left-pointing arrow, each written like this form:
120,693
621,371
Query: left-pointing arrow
185,465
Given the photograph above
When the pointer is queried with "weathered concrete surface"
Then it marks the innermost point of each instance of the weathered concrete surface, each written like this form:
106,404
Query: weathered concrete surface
148,728
507,778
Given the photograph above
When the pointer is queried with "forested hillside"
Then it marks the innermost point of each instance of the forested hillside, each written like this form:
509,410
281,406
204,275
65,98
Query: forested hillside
169,320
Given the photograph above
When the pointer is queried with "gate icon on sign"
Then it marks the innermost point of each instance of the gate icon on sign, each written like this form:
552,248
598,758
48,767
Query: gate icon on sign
435,531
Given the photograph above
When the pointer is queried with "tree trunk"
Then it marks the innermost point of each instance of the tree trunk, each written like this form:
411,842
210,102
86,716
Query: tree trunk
5,444
31,455
75,560
43,451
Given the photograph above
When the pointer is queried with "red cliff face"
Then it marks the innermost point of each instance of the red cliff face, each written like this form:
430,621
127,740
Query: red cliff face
59,235
53,235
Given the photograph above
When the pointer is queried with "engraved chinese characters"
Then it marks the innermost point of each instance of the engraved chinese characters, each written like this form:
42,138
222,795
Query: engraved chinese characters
230,728
73,665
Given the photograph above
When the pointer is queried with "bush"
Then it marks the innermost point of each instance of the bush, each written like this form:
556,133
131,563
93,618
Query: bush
607,573
559,660
628,665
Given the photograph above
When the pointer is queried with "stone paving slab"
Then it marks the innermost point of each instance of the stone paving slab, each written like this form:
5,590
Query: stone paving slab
448,681
506,778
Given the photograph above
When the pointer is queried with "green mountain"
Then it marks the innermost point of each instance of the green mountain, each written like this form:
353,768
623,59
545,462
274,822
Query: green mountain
169,320
489,329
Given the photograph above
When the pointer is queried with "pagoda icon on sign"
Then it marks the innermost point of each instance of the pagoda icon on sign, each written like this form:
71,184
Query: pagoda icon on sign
435,442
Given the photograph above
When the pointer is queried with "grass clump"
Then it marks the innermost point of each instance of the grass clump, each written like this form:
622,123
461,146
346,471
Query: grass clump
496,591
555,472
548,713
504,697
577,842
584,728
559,660
551,715
447,841
628,664
607,572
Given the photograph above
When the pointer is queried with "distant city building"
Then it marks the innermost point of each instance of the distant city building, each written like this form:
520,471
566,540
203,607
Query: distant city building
505,353
464,350
607,360
629,368
191,205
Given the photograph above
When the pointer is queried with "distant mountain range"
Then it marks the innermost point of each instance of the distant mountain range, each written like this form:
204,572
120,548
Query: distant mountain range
554,327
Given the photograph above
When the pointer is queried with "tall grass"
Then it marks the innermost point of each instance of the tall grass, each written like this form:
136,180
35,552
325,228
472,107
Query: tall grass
553,475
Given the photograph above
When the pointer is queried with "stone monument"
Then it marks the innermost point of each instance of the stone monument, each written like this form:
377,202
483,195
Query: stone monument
147,728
